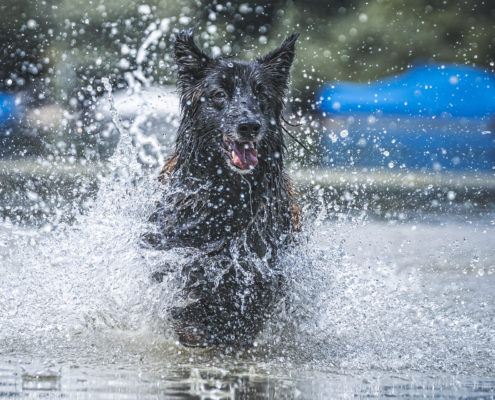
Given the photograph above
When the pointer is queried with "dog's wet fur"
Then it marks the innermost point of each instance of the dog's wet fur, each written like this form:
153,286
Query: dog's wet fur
227,196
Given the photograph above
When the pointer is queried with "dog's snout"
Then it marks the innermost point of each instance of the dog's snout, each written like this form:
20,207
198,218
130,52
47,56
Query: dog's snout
249,127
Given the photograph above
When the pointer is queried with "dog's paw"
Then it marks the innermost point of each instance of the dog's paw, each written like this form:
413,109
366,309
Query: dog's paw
191,335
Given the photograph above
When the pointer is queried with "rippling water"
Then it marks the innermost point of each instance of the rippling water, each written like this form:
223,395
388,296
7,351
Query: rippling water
377,308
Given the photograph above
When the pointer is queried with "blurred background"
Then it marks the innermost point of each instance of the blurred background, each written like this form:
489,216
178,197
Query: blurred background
393,100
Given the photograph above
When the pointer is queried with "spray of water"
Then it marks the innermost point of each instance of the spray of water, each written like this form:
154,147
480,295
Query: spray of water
63,288
343,310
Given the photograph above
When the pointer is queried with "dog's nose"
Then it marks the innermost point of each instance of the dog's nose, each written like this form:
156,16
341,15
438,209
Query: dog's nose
248,127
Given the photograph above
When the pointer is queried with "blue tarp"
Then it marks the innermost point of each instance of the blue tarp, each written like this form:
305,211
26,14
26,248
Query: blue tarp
427,90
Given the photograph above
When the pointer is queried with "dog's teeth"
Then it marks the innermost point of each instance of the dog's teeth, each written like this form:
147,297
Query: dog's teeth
233,153
225,138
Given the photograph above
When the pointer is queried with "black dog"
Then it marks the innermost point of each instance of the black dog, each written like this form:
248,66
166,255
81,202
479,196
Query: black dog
227,195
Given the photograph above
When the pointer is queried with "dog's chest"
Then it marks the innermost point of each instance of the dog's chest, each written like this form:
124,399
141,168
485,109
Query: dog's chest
232,207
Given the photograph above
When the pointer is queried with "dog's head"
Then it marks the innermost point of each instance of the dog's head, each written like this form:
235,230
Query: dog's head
231,110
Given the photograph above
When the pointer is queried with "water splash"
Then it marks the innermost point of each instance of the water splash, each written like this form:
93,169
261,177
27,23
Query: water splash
92,273
360,304
362,296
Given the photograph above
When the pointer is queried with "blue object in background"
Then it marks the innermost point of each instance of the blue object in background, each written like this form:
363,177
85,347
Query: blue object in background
8,109
8,116
433,117
432,89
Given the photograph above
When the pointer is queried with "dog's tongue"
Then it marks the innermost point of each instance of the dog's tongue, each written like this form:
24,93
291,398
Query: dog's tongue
245,155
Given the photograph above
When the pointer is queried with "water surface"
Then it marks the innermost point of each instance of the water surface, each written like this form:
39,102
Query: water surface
378,309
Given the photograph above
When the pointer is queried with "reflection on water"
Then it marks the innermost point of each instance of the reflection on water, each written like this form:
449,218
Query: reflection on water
245,381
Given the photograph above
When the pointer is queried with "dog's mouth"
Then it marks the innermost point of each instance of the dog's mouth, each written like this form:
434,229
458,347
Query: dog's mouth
243,155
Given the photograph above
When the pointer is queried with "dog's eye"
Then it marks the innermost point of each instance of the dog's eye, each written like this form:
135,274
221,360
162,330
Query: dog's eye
219,95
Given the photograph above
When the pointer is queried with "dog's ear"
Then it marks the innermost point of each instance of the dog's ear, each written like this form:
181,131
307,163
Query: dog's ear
191,61
278,61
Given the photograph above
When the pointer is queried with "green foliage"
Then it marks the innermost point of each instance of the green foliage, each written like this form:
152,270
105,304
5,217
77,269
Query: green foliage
383,37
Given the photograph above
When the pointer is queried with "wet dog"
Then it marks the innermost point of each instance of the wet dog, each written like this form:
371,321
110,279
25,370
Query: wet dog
227,196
